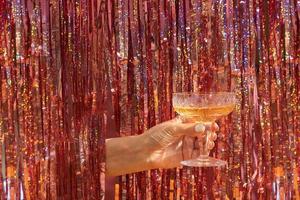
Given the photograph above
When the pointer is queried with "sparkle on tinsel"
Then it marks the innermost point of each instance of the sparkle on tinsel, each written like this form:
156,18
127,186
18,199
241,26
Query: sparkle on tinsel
75,72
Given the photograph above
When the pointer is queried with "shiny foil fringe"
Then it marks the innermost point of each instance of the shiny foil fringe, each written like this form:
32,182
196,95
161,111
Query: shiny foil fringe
73,73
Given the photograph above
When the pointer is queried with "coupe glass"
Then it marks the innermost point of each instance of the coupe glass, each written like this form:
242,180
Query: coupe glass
204,108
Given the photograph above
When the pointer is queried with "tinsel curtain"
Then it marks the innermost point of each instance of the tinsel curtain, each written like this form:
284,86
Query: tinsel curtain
75,72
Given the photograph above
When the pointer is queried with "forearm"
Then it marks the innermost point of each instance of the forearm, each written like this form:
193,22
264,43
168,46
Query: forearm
127,155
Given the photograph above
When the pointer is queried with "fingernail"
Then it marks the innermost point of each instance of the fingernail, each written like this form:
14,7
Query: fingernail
210,145
199,128
214,136
216,127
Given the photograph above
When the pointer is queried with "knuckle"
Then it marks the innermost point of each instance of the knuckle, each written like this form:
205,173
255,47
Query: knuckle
216,126
176,129
169,130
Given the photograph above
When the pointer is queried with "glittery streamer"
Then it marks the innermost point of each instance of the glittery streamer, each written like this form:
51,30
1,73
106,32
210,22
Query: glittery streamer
73,73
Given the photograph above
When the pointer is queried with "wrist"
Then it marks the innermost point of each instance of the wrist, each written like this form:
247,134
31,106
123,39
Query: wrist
151,149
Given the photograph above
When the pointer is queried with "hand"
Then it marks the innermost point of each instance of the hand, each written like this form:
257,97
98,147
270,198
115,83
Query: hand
177,140
163,146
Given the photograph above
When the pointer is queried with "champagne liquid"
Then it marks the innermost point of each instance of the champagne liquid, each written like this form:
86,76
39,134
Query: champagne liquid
205,114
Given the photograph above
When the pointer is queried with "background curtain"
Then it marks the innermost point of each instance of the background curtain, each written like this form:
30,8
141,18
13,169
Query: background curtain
74,72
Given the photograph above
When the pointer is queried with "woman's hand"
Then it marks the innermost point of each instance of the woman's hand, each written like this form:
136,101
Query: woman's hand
163,146
176,140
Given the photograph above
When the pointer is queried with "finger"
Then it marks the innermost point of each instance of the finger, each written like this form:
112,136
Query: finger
212,131
210,145
214,127
213,136
189,129
187,148
196,149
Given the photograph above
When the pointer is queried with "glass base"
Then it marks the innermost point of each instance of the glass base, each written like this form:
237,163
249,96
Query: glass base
204,161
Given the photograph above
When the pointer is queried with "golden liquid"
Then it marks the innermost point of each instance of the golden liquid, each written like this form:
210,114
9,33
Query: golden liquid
205,114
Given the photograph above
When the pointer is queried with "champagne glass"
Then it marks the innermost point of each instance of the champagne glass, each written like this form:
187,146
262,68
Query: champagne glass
204,108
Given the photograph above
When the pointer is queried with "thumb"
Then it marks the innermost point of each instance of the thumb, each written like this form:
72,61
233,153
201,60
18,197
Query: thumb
188,129
168,132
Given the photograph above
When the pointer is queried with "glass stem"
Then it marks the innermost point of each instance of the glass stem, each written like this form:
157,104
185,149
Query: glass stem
204,143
